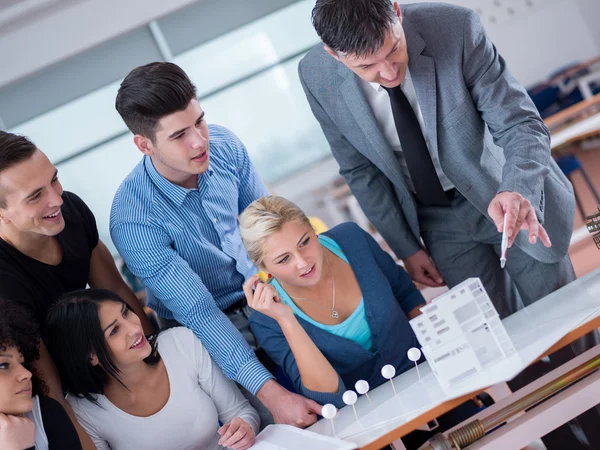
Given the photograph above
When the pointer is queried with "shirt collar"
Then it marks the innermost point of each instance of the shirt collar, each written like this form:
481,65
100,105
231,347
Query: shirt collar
171,190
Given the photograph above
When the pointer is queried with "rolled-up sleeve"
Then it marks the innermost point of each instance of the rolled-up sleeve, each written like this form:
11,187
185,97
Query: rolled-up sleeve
149,255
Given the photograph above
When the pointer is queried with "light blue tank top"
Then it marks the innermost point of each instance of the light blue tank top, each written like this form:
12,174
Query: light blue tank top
355,327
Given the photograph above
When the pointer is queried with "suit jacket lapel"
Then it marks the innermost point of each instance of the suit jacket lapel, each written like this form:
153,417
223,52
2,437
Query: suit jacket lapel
422,73
353,95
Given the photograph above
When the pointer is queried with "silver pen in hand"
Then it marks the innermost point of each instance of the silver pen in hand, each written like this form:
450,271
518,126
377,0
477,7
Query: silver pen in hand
504,245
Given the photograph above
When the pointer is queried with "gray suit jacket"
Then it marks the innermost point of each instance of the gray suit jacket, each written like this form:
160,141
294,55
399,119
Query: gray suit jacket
482,124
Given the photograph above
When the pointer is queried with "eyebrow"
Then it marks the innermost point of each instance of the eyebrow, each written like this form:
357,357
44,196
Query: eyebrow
299,240
5,355
394,48
38,190
114,321
175,133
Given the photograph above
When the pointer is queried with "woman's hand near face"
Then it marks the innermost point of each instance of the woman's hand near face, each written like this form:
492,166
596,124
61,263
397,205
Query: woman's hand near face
265,299
16,433
237,434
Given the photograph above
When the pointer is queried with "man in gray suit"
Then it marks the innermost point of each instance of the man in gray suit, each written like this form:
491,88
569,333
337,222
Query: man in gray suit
437,141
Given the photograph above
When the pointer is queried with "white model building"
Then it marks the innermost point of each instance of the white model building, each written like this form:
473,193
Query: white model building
461,333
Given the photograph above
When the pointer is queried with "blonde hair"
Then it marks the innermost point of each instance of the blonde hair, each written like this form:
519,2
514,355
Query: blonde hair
264,217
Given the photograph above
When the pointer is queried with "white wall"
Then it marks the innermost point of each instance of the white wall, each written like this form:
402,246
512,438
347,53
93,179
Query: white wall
590,10
553,35
70,30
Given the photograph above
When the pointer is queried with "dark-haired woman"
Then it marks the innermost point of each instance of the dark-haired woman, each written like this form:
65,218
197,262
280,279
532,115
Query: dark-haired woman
130,392
21,393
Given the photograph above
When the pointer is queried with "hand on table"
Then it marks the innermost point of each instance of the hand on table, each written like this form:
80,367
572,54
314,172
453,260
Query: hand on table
520,216
237,434
288,408
421,269
264,299
16,433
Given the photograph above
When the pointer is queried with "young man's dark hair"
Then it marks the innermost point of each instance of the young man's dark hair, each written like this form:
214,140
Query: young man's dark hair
151,92
356,27
13,150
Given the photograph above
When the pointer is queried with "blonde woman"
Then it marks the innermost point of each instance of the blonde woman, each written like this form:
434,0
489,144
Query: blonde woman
336,307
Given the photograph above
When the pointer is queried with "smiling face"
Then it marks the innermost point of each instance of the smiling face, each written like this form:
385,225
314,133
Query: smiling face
180,150
294,255
15,383
387,66
123,332
32,197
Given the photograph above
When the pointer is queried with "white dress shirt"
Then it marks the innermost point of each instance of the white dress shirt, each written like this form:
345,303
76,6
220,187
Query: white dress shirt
379,101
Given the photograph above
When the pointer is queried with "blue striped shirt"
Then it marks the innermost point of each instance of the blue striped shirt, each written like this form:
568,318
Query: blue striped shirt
185,246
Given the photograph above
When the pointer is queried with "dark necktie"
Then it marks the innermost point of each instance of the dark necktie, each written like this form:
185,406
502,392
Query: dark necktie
427,185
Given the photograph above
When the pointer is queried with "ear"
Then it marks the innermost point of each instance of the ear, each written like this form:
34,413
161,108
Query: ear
331,52
398,11
143,144
94,360
3,219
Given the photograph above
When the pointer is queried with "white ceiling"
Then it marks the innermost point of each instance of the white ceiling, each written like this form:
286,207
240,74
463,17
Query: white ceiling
18,13
37,33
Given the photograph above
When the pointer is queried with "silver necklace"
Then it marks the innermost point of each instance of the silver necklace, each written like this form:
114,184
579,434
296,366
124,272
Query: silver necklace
334,313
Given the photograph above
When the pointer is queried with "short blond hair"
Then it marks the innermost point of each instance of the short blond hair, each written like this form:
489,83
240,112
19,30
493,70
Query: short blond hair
264,217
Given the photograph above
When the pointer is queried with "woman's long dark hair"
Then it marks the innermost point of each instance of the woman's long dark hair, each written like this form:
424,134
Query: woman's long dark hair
74,333
19,329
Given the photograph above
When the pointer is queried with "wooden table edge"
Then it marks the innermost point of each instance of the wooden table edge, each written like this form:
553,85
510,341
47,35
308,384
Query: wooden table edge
574,139
412,425
561,117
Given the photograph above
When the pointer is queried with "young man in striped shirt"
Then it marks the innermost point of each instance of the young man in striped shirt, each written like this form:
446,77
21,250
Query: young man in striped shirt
174,221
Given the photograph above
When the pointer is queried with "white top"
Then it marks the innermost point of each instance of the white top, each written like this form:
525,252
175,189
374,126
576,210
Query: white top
200,396
379,101
35,415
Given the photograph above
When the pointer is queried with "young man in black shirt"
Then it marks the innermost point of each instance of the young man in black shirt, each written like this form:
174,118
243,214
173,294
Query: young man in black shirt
49,244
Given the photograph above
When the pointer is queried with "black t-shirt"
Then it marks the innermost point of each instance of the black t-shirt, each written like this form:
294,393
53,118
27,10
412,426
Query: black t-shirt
59,429
38,285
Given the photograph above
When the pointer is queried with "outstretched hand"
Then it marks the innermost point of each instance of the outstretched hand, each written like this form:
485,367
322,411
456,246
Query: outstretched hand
520,215
287,407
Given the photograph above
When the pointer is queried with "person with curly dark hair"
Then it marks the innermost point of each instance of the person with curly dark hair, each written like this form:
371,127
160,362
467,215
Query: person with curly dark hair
22,394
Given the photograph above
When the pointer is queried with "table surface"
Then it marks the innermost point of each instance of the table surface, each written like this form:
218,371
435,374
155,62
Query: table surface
538,330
